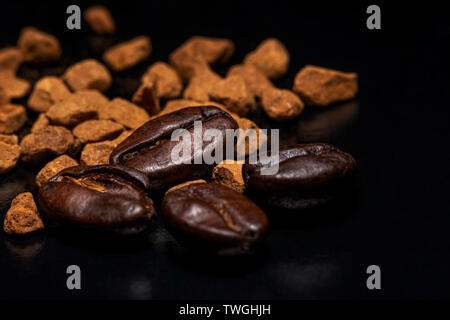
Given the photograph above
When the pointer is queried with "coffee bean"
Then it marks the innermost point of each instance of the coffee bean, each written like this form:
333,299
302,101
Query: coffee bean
149,148
308,175
214,218
101,197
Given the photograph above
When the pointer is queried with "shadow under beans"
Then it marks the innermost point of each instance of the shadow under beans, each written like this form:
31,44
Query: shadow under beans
325,124
22,254
100,240
25,247
98,44
11,184
315,124
201,262
330,213
218,265
33,73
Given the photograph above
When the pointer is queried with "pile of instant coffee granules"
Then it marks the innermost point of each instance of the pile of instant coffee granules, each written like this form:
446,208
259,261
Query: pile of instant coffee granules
104,163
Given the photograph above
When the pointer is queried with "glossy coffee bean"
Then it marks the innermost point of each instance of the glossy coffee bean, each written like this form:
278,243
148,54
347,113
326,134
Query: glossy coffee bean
149,148
308,175
211,217
104,197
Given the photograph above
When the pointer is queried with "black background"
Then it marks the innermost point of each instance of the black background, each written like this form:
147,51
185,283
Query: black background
397,130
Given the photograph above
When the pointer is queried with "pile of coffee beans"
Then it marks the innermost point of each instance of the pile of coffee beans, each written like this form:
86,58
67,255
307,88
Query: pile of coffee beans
106,165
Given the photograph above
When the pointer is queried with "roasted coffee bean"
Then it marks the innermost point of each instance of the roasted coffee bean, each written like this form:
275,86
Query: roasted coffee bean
214,218
103,197
308,175
149,148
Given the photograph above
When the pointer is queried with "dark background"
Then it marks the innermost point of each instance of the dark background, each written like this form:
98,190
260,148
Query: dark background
397,217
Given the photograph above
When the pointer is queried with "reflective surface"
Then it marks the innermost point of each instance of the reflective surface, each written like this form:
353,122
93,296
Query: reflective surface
397,216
